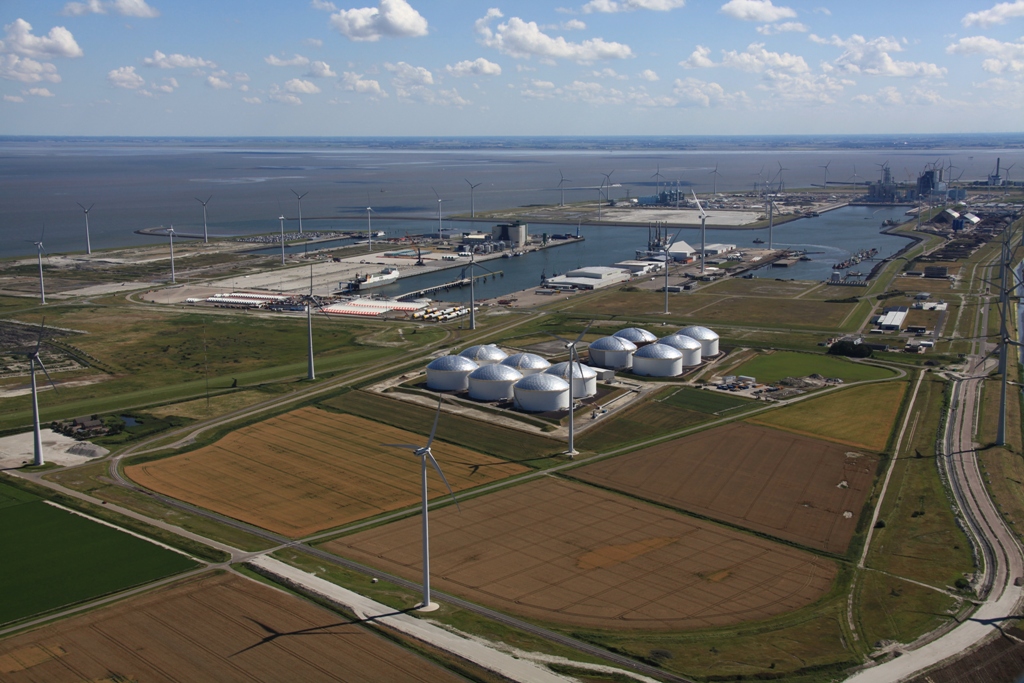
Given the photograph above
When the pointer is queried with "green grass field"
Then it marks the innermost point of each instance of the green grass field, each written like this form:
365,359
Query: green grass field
770,368
53,558
702,401
639,423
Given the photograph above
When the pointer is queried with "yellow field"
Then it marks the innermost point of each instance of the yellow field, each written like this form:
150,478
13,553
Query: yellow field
860,416
310,470
219,405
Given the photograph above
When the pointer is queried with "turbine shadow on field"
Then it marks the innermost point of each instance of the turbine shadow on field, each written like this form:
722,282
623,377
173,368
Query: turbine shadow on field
313,630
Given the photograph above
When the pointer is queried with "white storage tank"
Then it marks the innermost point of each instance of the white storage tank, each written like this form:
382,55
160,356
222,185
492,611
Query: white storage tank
708,339
493,382
613,353
450,373
638,336
484,354
541,393
584,378
688,345
658,360
527,363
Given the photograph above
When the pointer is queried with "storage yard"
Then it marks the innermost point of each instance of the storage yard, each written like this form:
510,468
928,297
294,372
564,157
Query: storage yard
570,554
309,470
798,489
216,628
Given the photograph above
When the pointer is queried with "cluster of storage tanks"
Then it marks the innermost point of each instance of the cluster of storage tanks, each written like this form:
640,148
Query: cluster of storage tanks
489,374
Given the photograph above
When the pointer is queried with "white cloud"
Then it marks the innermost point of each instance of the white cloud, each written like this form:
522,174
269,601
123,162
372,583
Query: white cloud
573,25
13,98
217,83
590,92
241,77
784,27
297,60
648,75
872,57
57,43
177,61
998,14
477,67
252,100
38,92
613,6
990,47
543,85
697,93
407,74
823,10
757,10
276,95
395,18
320,70
756,59
356,83
523,39
698,59
126,8
168,85
608,73
804,87
301,87
25,70
125,77
323,5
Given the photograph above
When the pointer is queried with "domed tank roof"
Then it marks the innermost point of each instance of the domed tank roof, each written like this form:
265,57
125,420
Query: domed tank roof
636,335
452,364
613,343
526,361
579,371
496,372
659,351
698,332
542,382
484,353
680,341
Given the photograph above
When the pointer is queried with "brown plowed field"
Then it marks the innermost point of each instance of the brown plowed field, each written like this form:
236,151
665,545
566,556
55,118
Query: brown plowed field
309,470
217,628
763,479
567,553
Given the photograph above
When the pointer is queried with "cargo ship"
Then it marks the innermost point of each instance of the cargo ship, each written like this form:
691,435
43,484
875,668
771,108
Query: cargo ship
371,280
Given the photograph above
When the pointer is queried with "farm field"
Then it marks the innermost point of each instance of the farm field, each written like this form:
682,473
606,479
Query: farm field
53,558
795,488
770,368
566,553
309,470
645,421
216,628
861,417
709,402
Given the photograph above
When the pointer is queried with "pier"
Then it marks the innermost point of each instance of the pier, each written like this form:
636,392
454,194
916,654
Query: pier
461,282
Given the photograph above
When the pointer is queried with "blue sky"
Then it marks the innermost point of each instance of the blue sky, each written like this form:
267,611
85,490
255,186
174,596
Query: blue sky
598,67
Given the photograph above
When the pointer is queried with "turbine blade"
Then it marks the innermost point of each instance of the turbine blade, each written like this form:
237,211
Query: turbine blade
39,339
47,373
437,418
581,334
567,342
444,479
435,193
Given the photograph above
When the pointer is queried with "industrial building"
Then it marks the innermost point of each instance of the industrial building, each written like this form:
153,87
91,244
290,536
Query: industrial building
658,360
640,337
450,373
690,348
584,378
590,277
708,339
484,354
541,393
515,233
493,382
527,363
892,319
613,353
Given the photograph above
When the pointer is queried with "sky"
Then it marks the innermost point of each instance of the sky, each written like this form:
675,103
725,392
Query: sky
445,68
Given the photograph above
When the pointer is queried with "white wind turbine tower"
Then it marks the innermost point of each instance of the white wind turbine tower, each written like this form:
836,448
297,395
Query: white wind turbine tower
39,258
703,225
1006,178
472,201
714,186
311,302
657,180
88,244
206,233
440,230
298,199
423,453
170,234
825,182
369,229
281,218
33,360
561,181
573,353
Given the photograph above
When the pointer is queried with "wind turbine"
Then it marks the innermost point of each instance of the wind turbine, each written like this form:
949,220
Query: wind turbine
703,225
782,183
608,179
170,234
310,300
714,186
33,359
472,286
298,199
88,245
369,229
281,218
825,182
423,453
39,257
440,230
573,353
599,188
561,181
472,202
1006,179
771,220
657,180
206,234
